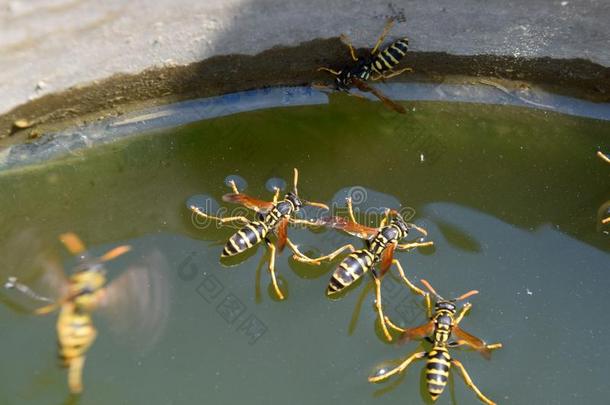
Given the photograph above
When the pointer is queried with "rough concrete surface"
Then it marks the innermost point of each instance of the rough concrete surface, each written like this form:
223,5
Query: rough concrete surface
48,46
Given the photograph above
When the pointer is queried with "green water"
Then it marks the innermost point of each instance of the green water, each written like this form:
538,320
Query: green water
510,196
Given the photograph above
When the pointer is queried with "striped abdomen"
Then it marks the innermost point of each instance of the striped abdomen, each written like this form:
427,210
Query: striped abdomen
247,237
75,333
350,270
390,57
437,371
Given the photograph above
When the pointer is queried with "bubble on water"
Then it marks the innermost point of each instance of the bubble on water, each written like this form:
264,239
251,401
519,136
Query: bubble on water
380,372
240,182
275,182
204,202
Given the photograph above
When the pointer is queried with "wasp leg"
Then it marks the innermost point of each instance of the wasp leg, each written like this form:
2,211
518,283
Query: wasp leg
606,221
398,369
276,196
305,259
276,287
386,29
197,211
428,306
393,325
428,313
469,382
409,246
46,309
390,74
460,342
350,209
463,312
386,218
406,280
297,254
329,70
305,222
379,306
603,156
233,186
352,51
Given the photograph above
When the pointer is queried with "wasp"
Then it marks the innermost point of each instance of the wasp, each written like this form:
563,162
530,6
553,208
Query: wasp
381,243
273,217
604,207
377,65
440,330
85,291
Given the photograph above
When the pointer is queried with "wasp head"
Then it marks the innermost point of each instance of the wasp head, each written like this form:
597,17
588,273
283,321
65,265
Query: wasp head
295,200
343,81
446,306
402,225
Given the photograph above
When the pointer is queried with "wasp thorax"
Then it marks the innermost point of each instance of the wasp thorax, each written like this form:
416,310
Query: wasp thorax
343,81
390,233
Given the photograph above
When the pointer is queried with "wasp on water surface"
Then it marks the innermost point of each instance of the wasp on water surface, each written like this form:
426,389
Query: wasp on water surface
605,207
87,290
440,330
377,65
381,244
273,217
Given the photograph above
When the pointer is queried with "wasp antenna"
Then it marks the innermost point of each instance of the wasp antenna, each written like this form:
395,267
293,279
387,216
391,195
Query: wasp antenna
316,204
418,228
114,253
295,181
603,156
432,290
72,242
464,296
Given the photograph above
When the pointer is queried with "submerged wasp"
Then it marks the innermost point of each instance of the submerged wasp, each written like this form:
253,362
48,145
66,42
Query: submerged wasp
135,302
605,207
273,217
381,244
440,330
378,65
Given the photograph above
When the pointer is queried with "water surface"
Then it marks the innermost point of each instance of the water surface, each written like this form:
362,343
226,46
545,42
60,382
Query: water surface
509,195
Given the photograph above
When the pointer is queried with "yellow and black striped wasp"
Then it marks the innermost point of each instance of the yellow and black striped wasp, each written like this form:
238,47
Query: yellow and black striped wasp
378,65
127,297
440,330
604,209
381,244
273,217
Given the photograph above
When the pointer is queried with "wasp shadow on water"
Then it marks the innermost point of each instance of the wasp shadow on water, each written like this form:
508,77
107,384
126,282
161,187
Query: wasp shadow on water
458,238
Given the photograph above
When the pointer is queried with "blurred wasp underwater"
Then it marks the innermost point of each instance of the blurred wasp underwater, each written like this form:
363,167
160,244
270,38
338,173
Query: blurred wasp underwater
605,208
273,217
377,65
443,325
136,302
381,243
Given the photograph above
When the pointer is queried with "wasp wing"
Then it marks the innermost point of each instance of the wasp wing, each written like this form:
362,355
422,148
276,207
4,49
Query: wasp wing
136,303
353,228
472,341
387,257
282,234
249,202
362,86
418,332
31,272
